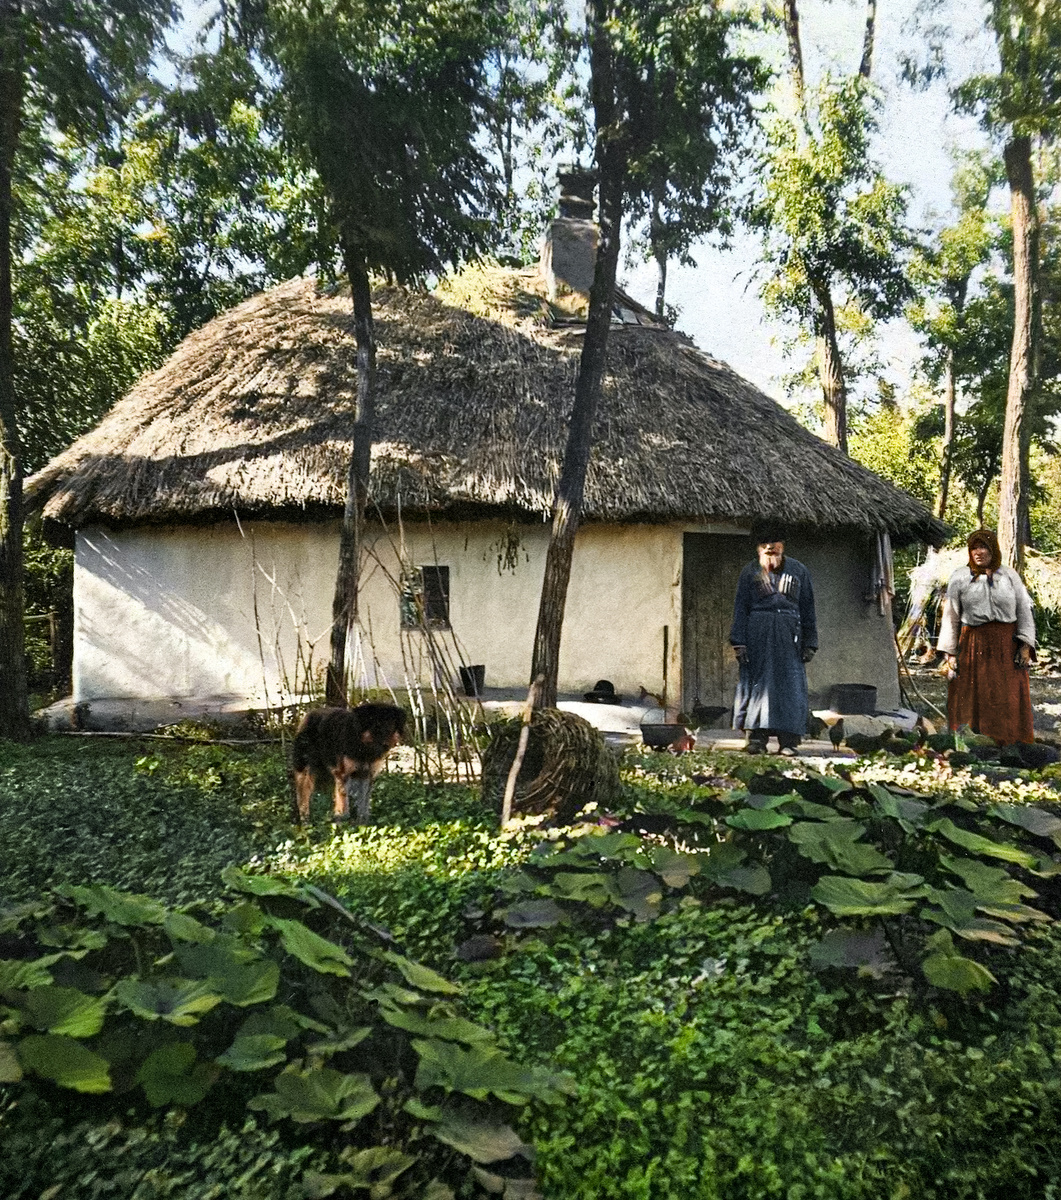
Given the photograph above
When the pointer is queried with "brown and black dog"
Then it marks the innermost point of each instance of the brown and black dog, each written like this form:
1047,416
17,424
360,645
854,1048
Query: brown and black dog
348,744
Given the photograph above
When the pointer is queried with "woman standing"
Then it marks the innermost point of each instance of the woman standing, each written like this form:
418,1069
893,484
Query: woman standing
988,636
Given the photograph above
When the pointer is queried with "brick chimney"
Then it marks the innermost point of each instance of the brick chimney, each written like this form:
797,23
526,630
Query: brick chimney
569,250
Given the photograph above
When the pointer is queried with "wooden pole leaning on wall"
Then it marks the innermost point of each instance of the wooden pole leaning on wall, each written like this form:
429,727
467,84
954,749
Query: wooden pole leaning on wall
521,750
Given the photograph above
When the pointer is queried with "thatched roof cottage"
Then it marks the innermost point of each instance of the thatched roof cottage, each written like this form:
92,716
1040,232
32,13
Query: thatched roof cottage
205,507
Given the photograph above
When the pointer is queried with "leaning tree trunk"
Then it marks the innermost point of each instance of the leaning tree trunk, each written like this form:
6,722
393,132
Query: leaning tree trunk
1020,395
14,693
567,503
345,599
866,65
830,369
949,391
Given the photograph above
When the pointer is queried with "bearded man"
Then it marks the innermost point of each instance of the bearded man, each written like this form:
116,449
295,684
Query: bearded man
774,634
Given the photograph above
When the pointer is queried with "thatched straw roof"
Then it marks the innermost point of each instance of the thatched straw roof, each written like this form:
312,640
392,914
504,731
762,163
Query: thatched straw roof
252,413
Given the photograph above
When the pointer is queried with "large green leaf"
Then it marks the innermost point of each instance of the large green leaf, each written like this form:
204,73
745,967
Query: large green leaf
987,883
909,813
65,1061
481,1070
179,1001
232,968
860,897
638,892
586,887
254,1052
483,1141
318,1094
279,1021
957,911
674,868
757,819
64,1010
201,959
265,885
17,973
816,812
123,908
374,1170
419,976
310,948
171,1075
770,802
865,951
836,843
755,879
10,1069
533,914
246,918
981,845
72,937
1027,816
181,927
448,1027
946,968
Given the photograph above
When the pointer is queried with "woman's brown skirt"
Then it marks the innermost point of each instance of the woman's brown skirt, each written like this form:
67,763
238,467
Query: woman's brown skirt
990,694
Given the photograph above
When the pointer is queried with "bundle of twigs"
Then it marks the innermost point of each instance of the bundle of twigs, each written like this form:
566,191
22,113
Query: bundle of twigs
566,766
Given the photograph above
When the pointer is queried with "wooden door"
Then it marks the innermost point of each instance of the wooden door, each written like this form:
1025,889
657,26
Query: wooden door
711,565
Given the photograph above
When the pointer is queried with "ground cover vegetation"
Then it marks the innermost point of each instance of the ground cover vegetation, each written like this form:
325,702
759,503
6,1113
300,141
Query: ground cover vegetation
852,994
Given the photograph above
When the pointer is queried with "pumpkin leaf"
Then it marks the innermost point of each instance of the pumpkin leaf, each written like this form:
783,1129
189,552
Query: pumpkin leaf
317,1094
859,897
865,951
533,914
65,1061
374,1170
674,868
310,948
419,976
179,1001
835,843
756,819
182,927
481,1070
64,1010
482,1141
123,908
265,885
170,1075
1027,816
254,1052
449,1028
981,845
10,1068
946,968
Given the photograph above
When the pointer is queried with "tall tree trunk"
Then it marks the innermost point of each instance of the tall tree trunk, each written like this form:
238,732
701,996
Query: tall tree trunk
345,599
1020,395
830,369
567,503
949,391
659,253
866,65
795,50
14,692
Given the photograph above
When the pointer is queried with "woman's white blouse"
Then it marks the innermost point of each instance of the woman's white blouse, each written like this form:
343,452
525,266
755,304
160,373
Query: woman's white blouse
972,600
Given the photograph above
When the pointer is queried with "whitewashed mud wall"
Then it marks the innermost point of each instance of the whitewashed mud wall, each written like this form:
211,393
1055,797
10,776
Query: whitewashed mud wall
240,614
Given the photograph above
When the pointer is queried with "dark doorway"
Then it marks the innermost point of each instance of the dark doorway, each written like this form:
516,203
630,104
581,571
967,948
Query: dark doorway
711,564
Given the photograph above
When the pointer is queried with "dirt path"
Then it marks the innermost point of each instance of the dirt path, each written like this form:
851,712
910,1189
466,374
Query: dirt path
1045,689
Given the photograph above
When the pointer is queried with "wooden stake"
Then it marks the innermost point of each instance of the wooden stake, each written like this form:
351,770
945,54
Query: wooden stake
521,750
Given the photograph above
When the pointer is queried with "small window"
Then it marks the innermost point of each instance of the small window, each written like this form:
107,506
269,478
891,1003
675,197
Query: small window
425,598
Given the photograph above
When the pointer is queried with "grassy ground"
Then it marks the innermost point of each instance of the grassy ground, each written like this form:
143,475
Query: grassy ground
713,1062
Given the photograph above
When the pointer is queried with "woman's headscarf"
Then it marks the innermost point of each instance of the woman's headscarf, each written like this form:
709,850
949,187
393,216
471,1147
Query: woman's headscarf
987,539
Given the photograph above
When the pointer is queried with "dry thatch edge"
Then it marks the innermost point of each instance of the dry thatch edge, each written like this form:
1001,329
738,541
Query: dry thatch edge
253,411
